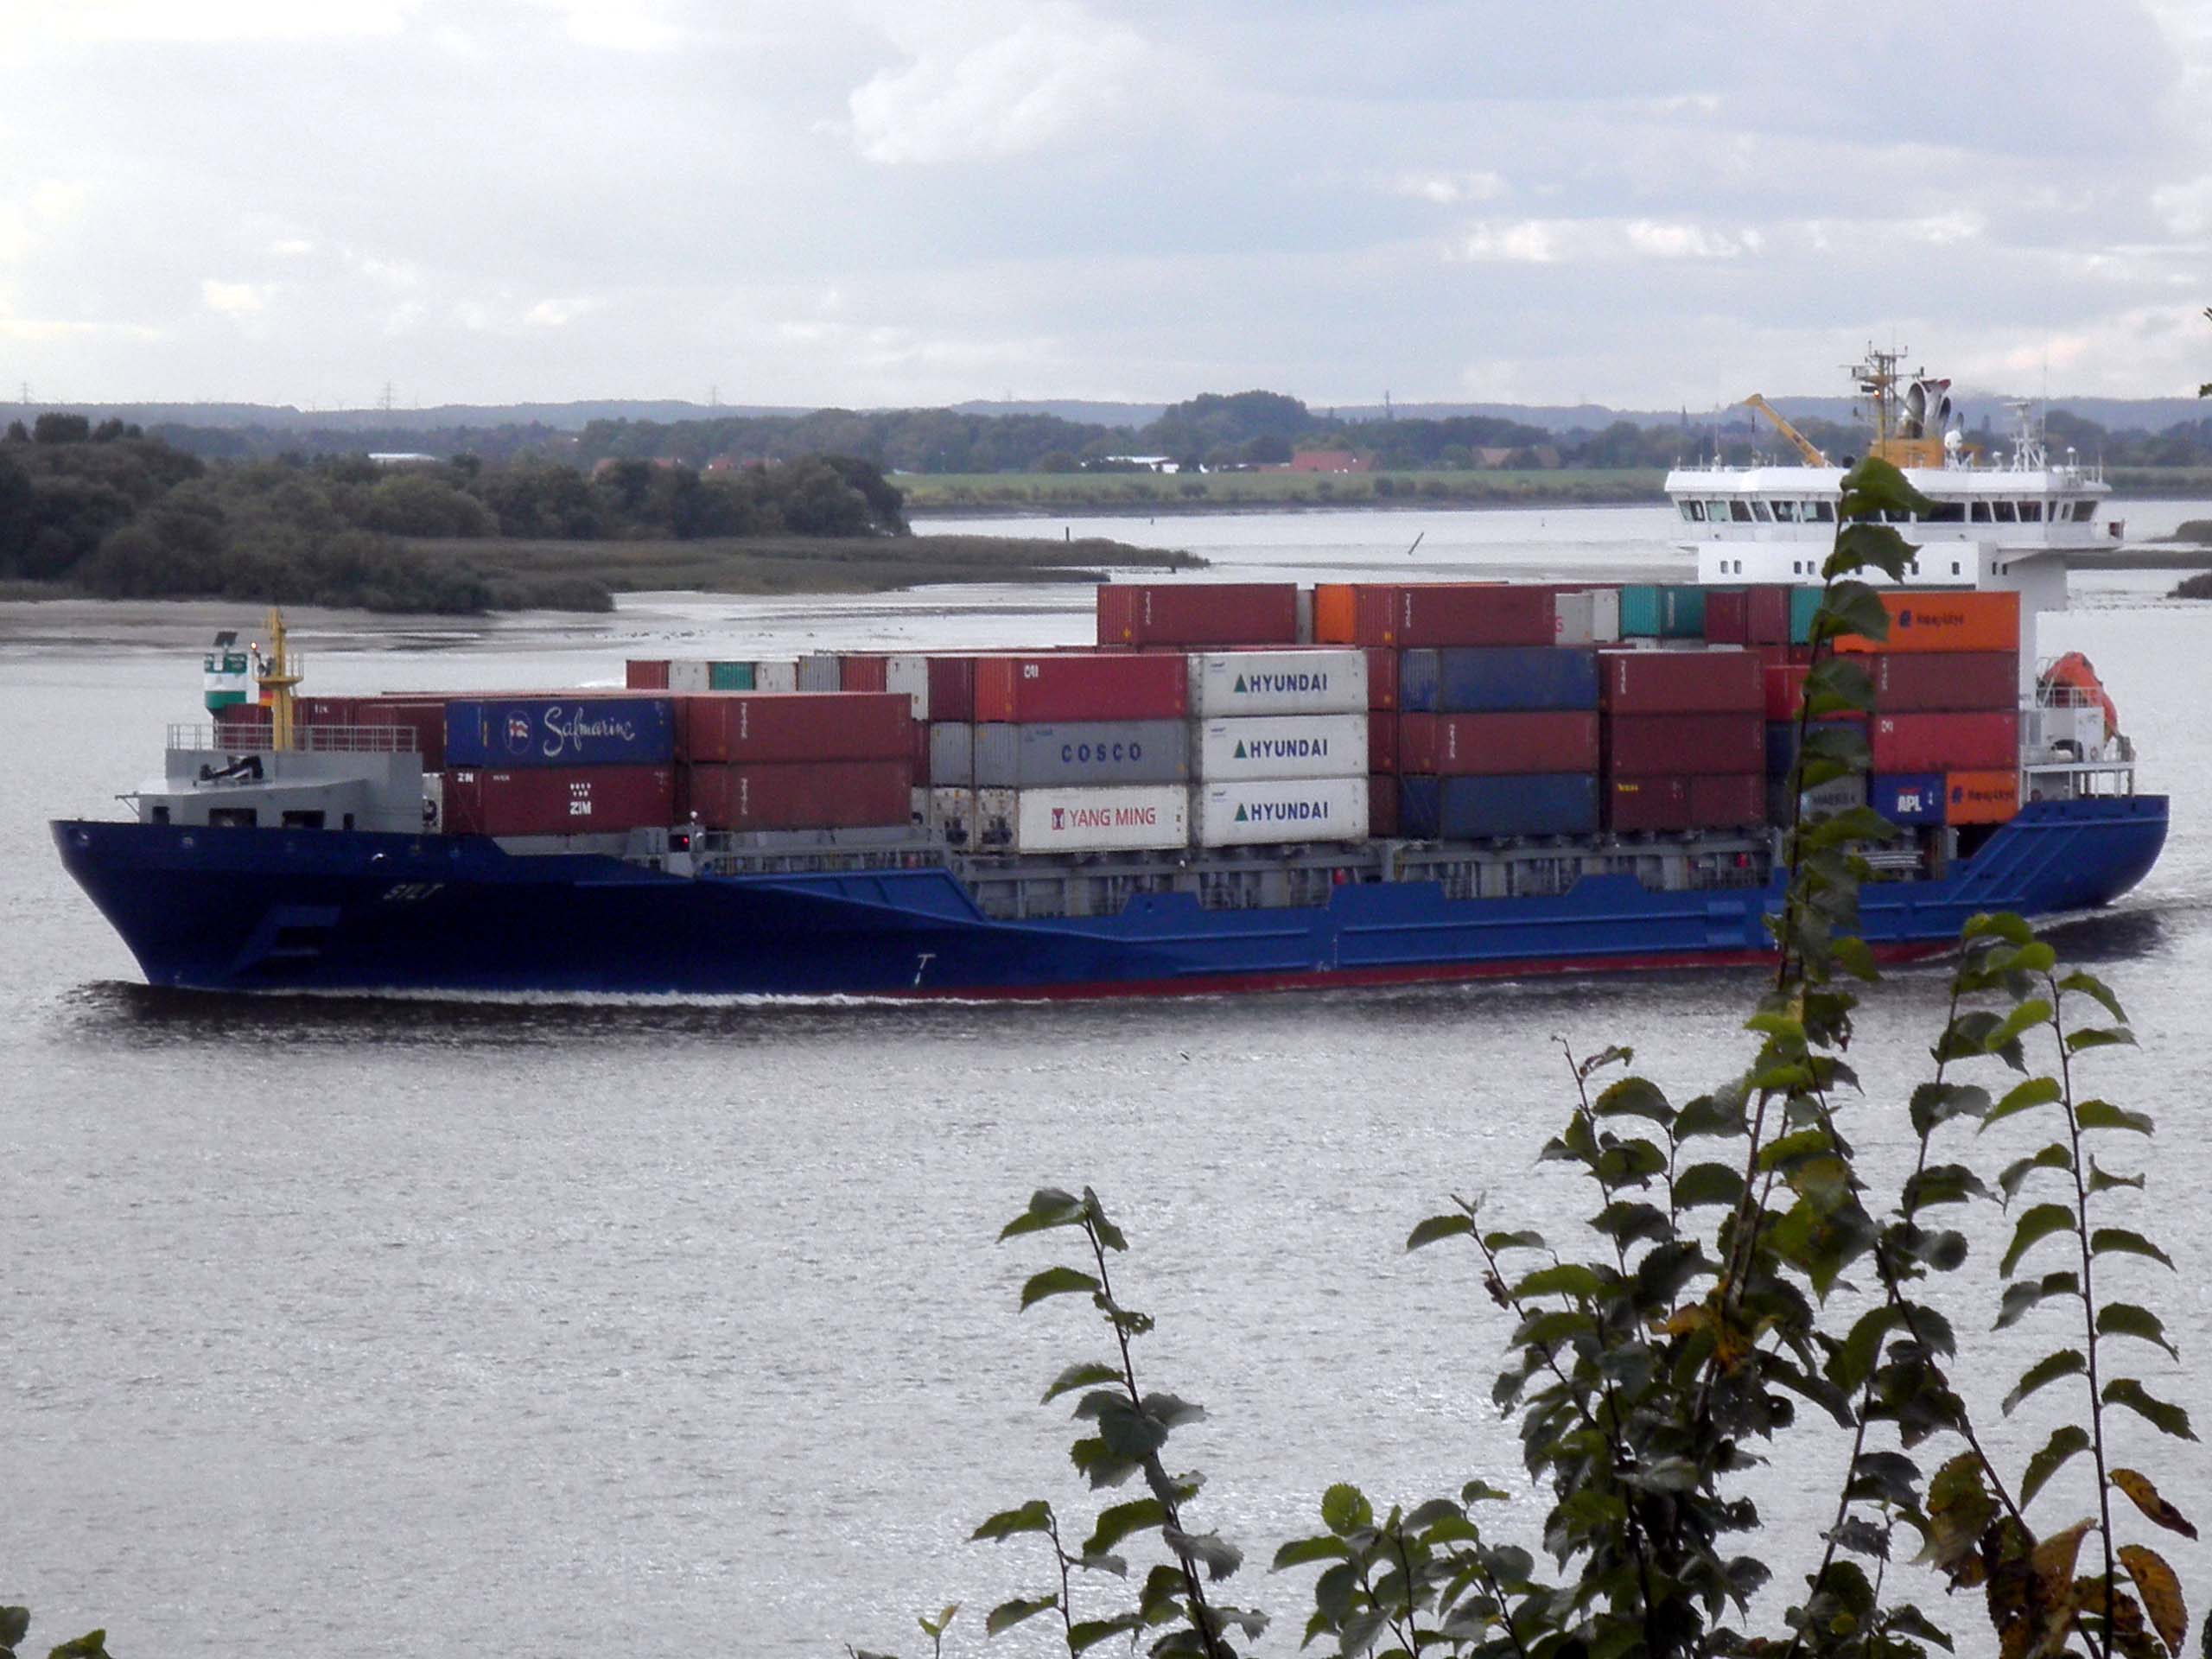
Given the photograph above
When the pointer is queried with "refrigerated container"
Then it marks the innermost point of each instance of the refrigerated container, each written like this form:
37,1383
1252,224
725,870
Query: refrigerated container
909,672
690,675
1129,817
1226,685
1263,811
1282,745
1589,617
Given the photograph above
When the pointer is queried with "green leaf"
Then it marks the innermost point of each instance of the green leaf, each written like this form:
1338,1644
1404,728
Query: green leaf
1218,1557
1876,485
1941,1184
1524,1239
2083,1037
1852,607
1344,1508
1634,1097
1865,546
1055,1282
1090,1633
1438,1227
2126,1319
2141,1493
1129,1430
2166,1418
2090,985
1934,1104
2021,1297
1035,1515
91,1645
1118,1521
14,1624
1301,1551
937,1626
2054,1156
2039,1222
2103,1180
1048,1207
1099,1465
2026,1017
1711,1114
2067,1362
2063,1444
1080,1377
2036,1091
1095,1212
1567,1279
1704,1183
2103,1115
1481,1491
2109,1241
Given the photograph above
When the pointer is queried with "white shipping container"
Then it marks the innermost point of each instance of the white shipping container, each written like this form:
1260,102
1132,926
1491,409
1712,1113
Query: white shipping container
1283,746
1280,810
1228,685
911,674
1305,616
775,676
687,677
1592,618
951,813
821,671
1125,817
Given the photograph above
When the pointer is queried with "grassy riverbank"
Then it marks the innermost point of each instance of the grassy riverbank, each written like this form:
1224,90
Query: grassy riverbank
1152,492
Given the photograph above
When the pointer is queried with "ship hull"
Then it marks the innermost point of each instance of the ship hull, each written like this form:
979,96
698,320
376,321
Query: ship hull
276,910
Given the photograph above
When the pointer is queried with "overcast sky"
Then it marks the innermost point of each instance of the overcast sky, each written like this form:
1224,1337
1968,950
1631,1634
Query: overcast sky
912,202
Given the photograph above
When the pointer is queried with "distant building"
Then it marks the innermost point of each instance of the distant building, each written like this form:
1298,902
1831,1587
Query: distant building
401,458
1134,464
1329,460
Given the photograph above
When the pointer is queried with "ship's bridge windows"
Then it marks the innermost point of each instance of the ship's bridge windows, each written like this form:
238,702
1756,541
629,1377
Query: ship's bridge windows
2083,510
1740,511
1955,566
1948,512
2007,512
2031,512
1824,512
1785,512
1695,512
1981,515
1760,511
1717,511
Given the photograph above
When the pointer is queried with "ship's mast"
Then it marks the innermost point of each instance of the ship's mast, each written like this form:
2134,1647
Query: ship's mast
279,672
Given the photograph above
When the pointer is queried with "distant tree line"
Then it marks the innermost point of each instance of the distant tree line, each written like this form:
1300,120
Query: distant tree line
120,514
1245,429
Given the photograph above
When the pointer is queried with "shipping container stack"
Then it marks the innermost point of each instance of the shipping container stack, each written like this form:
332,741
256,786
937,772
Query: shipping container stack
558,766
1946,733
1684,739
707,674
1075,753
795,761
1280,738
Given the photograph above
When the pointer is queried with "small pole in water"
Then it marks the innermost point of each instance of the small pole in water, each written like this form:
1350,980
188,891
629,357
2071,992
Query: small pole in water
1067,533
1409,551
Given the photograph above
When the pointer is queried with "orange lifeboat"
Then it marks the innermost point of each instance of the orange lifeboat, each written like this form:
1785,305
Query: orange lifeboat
2073,673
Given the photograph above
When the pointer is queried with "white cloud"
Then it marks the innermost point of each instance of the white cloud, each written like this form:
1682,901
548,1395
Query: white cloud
2185,208
234,299
48,208
1039,73
100,22
556,313
1446,189
1589,241
620,25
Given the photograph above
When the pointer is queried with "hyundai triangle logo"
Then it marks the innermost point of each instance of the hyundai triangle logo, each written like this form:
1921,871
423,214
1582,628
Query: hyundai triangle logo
1241,816
1240,685
1240,754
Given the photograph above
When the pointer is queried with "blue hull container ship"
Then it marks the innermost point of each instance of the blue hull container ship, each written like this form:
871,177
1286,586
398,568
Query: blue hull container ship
1243,787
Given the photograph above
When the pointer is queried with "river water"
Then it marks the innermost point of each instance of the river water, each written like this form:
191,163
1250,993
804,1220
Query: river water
349,1326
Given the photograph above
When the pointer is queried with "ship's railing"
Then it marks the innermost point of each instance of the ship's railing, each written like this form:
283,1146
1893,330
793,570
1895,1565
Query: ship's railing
242,737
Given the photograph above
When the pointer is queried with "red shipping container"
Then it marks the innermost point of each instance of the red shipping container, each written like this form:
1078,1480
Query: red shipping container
920,754
1647,804
1785,690
1681,681
645,674
1381,677
1766,620
758,727
1381,806
325,711
859,673
1498,744
1727,801
1065,686
1381,741
952,688
243,723
1639,745
1908,683
1198,613
836,795
1727,616
558,800
1961,742
424,716
1455,614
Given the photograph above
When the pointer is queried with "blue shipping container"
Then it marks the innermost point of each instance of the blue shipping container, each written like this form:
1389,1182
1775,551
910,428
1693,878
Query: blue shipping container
1804,605
1497,679
584,731
1781,741
1907,798
1479,808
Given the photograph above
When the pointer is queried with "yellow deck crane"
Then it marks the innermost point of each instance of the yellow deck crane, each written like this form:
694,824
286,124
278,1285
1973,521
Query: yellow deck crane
1803,445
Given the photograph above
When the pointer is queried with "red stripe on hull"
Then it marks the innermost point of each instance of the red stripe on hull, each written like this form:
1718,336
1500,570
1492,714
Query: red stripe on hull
1439,973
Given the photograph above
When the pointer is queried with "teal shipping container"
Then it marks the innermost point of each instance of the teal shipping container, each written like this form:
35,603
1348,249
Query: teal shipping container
1653,612
1803,603
729,676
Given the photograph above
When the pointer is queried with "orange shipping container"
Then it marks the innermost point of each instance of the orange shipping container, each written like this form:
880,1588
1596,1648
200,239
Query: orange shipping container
1335,612
1945,621
1981,797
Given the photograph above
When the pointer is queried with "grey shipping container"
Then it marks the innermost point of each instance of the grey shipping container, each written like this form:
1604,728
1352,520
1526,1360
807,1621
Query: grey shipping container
952,753
1080,752
821,672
